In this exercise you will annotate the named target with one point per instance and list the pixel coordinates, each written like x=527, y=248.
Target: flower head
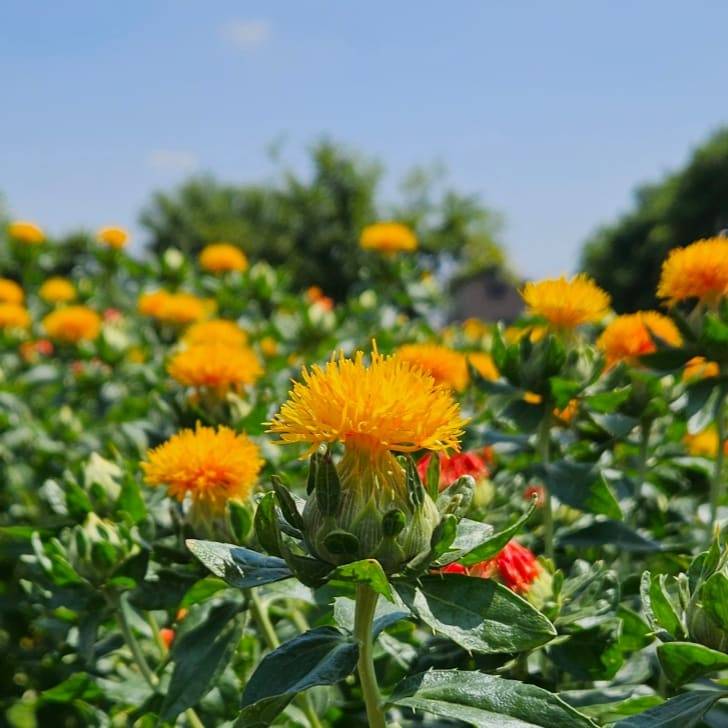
x=700, y=368
x=515, y=565
x=151, y=303
x=73, y=324
x=388, y=405
x=697, y=271
x=484, y=365
x=57, y=290
x=446, y=366
x=215, y=331
x=211, y=466
x=175, y=308
x=114, y=237
x=10, y=291
x=268, y=346
x=222, y=257
x=388, y=237
x=630, y=336
x=317, y=297
x=215, y=366
x=566, y=303
x=14, y=316
x=704, y=443
x=26, y=232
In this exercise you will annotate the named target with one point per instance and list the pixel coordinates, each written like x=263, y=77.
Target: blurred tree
x=625, y=257
x=312, y=224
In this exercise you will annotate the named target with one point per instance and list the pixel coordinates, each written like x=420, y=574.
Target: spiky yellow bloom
x=57, y=290
x=222, y=257
x=211, y=466
x=268, y=346
x=26, y=232
x=703, y=444
x=484, y=365
x=14, y=316
x=10, y=291
x=475, y=330
x=697, y=271
x=215, y=331
x=566, y=303
x=389, y=405
x=446, y=366
x=388, y=237
x=700, y=368
x=215, y=366
x=73, y=324
x=151, y=303
x=629, y=336
x=114, y=237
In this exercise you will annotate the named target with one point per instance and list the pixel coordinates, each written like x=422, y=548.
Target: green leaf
x=203, y=590
x=669, y=359
x=607, y=402
x=385, y=615
x=590, y=654
x=79, y=686
x=581, y=486
x=714, y=596
x=469, y=535
x=321, y=656
x=131, y=500
x=480, y=615
x=658, y=607
x=493, y=544
x=615, y=424
x=698, y=393
x=239, y=567
x=686, y=661
x=366, y=571
x=266, y=524
x=684, y=711
x=486, y=700
x=199, y=656
x=636, y=633
x=613, y=533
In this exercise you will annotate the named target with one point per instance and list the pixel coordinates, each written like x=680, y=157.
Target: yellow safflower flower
x=566, y=303
x=629, y=336
x=484, y=365
x=223, y=257
x=215, y=331
x=703, y=444
x=175, y=308
x=388, y=237
x=72, y=324
x=216, y=367
x=699, y=271
x=14, y=316
x=446, y=366
x=211, y=466
x=57, y=290
x=10, y=291
x=114, y=237
x=268, y=346
x=700, y=368
x=26, y=232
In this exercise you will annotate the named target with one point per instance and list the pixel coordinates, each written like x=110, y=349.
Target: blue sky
x=551, y=112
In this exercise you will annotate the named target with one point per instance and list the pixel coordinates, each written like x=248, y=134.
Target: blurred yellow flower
x=10, y=291
x=72, y=324
x=567, y=414
x=446, y=366
x=175, y=308
x=475, y=330
x=703, y=444
x=268, y=346
x=389, y=405
x=388, y=237
x=151, y=303
x=26, y=232
x=566, y=303
x=700, y=368
x=215, y=331
x=699, y=270
x=222, y=257
x=114, y=237
x=484, y=365
x=629, y=336
x=57, y=290
x=215, y=366
x=14, y=316
x=211, y=466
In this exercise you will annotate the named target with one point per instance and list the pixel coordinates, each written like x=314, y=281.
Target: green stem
x=641, y=468
x=544, y=450
x=366, y=603
x=157, y=635
x=260, y=614
x=136, y=651
x=716, y=481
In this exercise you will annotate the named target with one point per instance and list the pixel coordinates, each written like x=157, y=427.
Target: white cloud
x=172, y=160
x=246, y=35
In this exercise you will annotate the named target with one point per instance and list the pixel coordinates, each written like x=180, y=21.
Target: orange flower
x=10, y=291
x=57, y=290
x=26, y=232
x=215, y=331
x=484, y=365
x=73, y=324
x=215, y=366
x=14, y=316
x=446, y=366
x=700, y=368
x=150, y=304
x=175, y=308
x=388, y=237
x=223, y=257
x=114, y=237
x=629, y=336
x=699, y=270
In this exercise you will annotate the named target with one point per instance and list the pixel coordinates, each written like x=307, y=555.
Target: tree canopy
x=691, y=203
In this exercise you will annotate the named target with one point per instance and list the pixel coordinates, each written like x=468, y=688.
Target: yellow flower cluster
x=222, y=258
x=175, y=308
x=14, y=316
x=698, y=271
x=215, y=331
x=444, y=365
x=57, y=290
x=10, y=291
x=72, y=324
x=26, y=232
x=114, y=237
x=630, y=336
x=388, y=237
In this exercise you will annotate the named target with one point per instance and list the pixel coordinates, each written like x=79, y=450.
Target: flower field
x=229, y=502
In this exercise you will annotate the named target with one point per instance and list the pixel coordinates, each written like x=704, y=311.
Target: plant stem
x=641, y=468
x=260, y=614
x=366, y=603
x=543, y=445
x=716, y=481
x=157, y=635
x=136, y=651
